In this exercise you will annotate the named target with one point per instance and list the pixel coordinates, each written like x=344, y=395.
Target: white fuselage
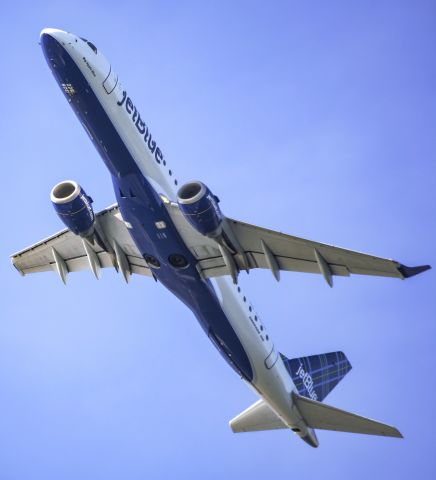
x=271, y=380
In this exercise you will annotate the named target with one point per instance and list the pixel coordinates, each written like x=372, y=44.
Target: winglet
x=408, y=272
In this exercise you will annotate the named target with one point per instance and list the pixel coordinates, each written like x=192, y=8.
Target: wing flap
x=297, y=264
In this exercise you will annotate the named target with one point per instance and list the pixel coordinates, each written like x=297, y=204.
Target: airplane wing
x=256, y=247
x=65, y=252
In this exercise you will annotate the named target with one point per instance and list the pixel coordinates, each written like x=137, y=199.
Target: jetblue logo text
x=214, y=204
x=141, y=127
x=87, y=203
x=307, y=382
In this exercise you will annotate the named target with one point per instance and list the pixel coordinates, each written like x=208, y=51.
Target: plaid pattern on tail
x=316, y=376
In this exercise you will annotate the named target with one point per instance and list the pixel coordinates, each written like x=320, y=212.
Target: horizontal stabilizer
x=256, y=418
x=322, y=416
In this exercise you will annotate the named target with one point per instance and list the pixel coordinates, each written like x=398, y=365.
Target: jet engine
x=74, y=207
x=200, y=208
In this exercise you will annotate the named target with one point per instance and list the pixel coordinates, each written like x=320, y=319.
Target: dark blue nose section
x=59, y=61
x=54, y=52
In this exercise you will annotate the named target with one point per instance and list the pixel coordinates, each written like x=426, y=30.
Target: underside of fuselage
x=143, y=211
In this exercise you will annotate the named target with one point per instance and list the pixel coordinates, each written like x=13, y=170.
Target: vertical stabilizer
x=316, y=376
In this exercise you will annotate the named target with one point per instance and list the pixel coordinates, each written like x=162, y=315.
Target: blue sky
x=316, y=119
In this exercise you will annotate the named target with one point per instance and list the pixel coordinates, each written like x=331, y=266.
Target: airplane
x=179, y=236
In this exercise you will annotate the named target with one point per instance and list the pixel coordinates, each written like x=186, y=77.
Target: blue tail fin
x=316, y=376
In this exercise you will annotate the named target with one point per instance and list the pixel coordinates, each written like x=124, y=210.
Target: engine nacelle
x=200, y=208
x=74, y=207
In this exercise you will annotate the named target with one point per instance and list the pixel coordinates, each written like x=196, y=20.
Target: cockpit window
x=90, y=45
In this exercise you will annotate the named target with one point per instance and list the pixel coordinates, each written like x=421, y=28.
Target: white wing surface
x=252, y=247
x=65, y=252
x=324, y=417
x=257, y=247
x=255, y=418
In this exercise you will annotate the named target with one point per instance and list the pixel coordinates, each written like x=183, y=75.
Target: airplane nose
x=47, y=40
x=52, y=42
x=53, y=32
x=48, y=35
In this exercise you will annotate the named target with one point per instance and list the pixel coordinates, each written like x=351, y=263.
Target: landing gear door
x=111, y=81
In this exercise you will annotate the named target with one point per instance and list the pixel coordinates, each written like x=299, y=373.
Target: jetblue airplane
x=178, y=236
